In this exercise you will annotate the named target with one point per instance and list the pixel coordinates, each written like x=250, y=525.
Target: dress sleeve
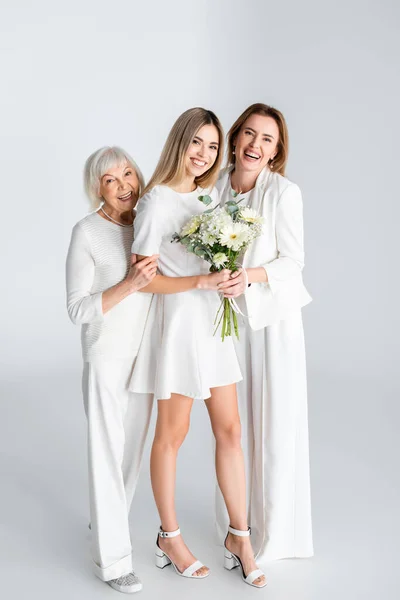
x=83, y=306
x=151, y=224
x=289, y=238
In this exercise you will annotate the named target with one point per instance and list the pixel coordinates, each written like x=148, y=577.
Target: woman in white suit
x=273, y=393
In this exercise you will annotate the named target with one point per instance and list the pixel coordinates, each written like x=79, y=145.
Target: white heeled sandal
x=163, y=560
x=231, y=561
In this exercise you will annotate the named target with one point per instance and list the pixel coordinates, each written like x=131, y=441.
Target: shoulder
x=155, y=198
x=89, y=222
x=281, y=186
x=85, y=225
x=89, y=229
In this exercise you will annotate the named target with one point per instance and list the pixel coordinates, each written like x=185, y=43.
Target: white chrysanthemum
x=208, y=238
x=234, y=235
x=250, y=215
x=220, y=259
x=191, y=226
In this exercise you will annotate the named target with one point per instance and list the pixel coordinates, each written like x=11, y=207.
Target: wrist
x=257, y=275
x=199, y=283
x=127, y=287
x=246, y=281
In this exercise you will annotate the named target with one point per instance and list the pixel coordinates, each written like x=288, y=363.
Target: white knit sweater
x=98, y=258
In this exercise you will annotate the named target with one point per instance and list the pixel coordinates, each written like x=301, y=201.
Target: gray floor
x=355, y=490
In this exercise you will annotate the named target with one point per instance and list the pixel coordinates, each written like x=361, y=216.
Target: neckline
x=242, y=193
x=114, y=225
x=196, y=191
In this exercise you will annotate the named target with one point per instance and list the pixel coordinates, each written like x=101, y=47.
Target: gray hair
x=99, y=163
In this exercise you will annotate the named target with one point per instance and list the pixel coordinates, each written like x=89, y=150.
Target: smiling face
x=256, y=143
x=202, y=152
x=119, y=188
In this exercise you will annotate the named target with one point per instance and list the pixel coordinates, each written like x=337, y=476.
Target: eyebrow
x=113, y=176
x=266, y=134
x=196, y=137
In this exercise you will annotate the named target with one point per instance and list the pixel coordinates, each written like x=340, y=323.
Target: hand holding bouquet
x=219, y=236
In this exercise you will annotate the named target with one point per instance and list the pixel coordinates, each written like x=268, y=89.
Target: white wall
x=85, y=74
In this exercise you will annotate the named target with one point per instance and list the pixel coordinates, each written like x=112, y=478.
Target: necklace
x=113, y=220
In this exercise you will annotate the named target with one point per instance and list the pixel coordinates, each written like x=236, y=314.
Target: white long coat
x=273, y=393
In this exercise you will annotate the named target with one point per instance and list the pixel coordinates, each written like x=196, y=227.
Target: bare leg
x=224, y=415
x=172, y=426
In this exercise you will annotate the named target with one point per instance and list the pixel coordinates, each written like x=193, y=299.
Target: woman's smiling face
x=203, y=151
x=256, y=143
x=119, y=188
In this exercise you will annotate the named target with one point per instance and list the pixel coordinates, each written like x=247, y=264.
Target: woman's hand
x=141, y=273
x=213, y=281
x=236, y=285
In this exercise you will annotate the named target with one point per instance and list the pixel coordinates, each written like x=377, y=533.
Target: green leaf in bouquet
x=205, y=199
x=200, y=252
x=231, y=208
x=235, y=194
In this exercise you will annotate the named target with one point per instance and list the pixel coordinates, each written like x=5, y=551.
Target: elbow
x=76, y=312
x=74, y=315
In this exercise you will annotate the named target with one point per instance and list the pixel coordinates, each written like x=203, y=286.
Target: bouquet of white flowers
x=219, y=236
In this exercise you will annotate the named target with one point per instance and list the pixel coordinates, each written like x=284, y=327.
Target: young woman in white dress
x=102, y=286
x=273, y=393
x=190, y=362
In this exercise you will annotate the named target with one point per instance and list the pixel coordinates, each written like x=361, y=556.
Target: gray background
x=80, y=75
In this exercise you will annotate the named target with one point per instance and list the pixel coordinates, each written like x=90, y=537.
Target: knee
x=168, y=439
x=229, y=435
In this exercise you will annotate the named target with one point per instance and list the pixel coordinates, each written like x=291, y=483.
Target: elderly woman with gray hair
x=102, y=281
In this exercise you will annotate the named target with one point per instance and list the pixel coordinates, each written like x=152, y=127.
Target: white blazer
x=279, y=249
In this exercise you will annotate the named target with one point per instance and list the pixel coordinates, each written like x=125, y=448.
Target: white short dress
x=179, y=353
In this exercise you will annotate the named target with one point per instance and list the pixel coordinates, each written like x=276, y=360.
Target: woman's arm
x=239, y=280
x=289, y=238
x=175, y=285
x=82, y=305
x=139, y=276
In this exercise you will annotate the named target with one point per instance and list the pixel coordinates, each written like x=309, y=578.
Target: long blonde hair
x=171, y=163
x=278, y=164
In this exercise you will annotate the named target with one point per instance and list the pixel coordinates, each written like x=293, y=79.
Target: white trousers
x=273, y=410
x=118, y=422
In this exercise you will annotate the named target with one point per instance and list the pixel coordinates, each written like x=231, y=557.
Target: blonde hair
x=99, y=163
x=171, y=163
x=278, y=163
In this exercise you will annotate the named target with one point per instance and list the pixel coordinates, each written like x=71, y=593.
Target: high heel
x=231, y=561
x=163, y=560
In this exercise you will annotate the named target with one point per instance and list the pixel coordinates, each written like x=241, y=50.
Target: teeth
x=199, y=163
x=125, y=196
x=251, y=155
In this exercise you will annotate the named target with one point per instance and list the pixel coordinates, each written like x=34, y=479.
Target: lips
x=252, y=155
x=198, y=163
x=125, y=197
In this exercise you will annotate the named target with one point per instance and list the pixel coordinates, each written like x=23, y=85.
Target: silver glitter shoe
x=127, y=584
